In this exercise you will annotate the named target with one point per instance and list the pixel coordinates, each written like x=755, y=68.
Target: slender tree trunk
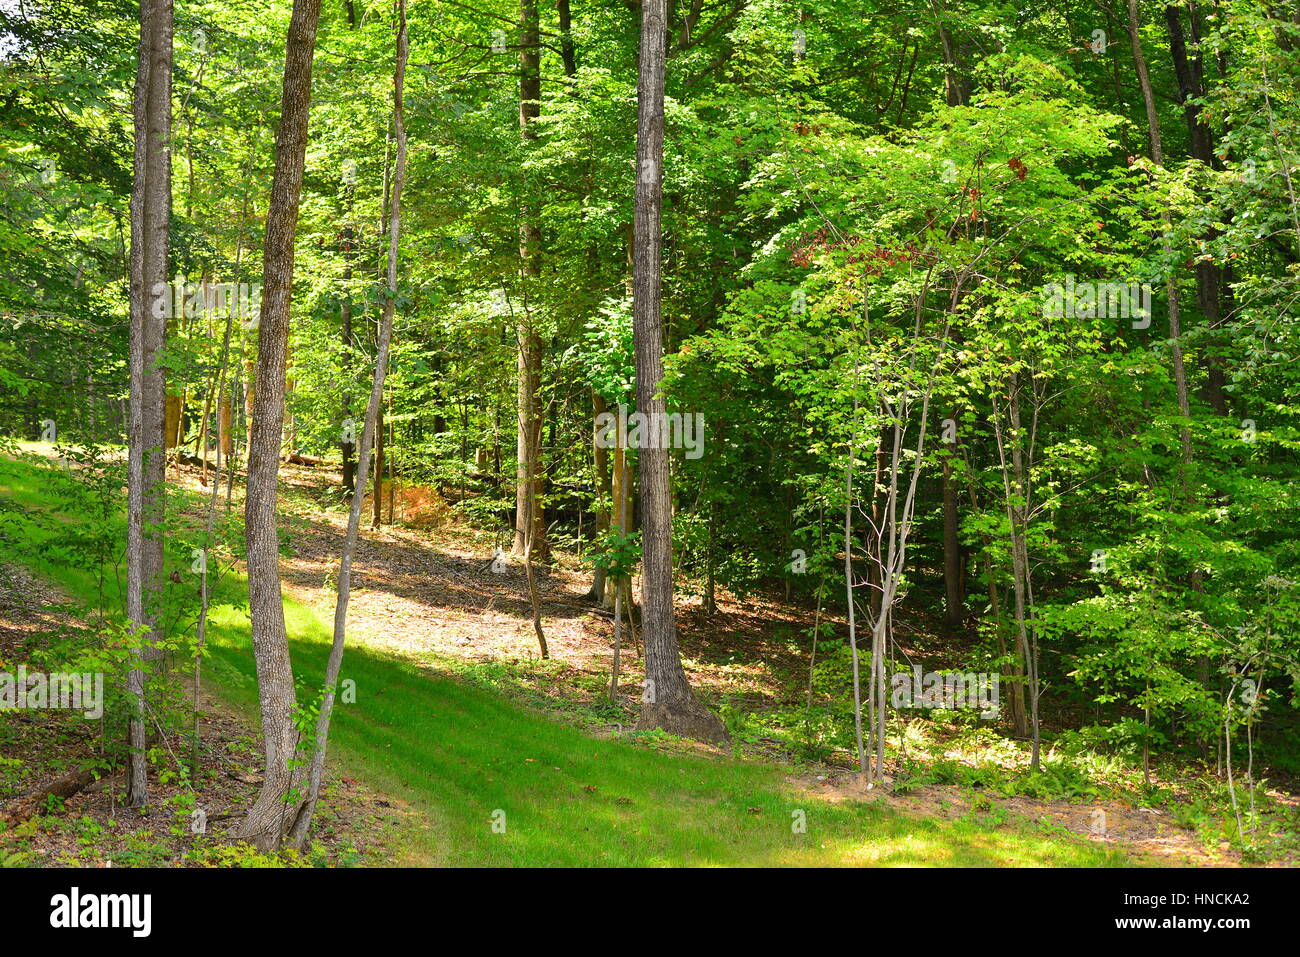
x=849, y=585
x=223, y=458
x=1020, y=563
x=528, y=481
x=621, y=498
x=1015, y=672
x=953, y=560
x=668, y=702
x=302, y=825
x=1157, y=156
x=347, y=444
x=150, y=294
x=223, y=424
x=377, y=493
x=603, y=493
x=267, y=820
x=710, y=578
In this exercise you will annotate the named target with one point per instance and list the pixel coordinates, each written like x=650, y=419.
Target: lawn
x=493, y=783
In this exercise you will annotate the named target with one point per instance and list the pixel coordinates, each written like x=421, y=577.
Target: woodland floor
x=93, y=828
x=424, y=592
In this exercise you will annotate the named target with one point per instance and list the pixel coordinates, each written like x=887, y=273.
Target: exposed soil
x=1145, y=833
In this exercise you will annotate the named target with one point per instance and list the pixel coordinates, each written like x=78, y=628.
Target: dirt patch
x=1147, y=834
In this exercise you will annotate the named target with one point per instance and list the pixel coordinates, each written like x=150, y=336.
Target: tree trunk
x=1019, y=519
x=528, y=491
x=668, y=702
x=603, y=492
x=150, y=295
x=223, y=425
x=267, y=819
x=377, y=492
x=953, y=561
x=302, y=825
x=567, y=53
x=621, y=499
x=347, y=443
x=1210, y=285
x=528, y=480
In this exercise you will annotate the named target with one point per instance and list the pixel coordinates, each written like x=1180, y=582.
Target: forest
x=649, y=433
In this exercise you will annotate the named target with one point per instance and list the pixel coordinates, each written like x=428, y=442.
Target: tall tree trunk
x=668, y=701
x=1210, y=285
x=267, y=820
x=1158, y=157
x=1018, y=516
x=302, y=825
x=150, y=294
x=529, y=476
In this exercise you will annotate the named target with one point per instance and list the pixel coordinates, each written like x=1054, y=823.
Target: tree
x=301, y=828
x=530, y=520
x=268, y=819
x=150, y=299
x=668, y=702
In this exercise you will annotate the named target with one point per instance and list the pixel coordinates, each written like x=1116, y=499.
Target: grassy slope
x=458, y=754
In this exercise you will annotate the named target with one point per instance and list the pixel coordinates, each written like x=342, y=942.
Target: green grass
x=457, y=754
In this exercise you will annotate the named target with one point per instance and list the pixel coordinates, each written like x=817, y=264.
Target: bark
x=669, y=702
x=953, y=560
x=347, y=446
x=302, y=825
x=1017, y=499
x=174, y=420
x=1210, y=285
x=955, y=87
x=621, y=499
x=146, y=458
x=567, y=54
x=1158, y=157
x=65, y=786
x=377, y=494
x=266, y=821
x=223, y=425
x=528, y=474
x=603, y=492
